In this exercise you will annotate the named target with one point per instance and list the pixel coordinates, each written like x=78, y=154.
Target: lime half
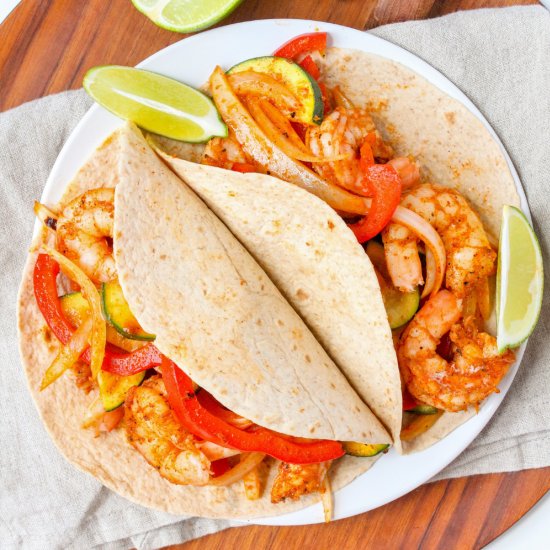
x=185, y=15
x=519, y=280
x=155, y=102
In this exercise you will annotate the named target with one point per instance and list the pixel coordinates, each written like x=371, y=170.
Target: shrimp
x=294, y=480
x=84, y=232
x=153, y=430
x=343, y=132
x=470, y=258
x=224, y=152
x=473, y=372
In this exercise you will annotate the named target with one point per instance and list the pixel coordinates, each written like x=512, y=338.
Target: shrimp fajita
x=240, y=327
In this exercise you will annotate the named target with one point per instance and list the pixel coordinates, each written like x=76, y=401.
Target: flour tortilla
x=451, y=145
x=316, y=262
x=109, y=457
x=452, y=148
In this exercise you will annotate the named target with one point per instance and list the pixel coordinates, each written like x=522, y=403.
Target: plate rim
x=56, y=183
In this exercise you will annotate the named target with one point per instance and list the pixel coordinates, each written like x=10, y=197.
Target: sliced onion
x=327, y=500
x=435, y=266
x=469, y=305
x=213, y=451
x=247, y=463
x=90, y=293
x=115, y=338
x=45, y=215
x=279, y=132
x=69, y=354
x=94, y=414
x=340, y=99
x=253, y=484
x=270, y=158
x=260, y=84
x=285, y=128
x=484, y=299
x=431, y=273
x=283, y=124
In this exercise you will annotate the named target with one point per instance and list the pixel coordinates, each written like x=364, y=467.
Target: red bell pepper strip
x=219, y=467
x=384, y=185
x=366, y=158
x=304, y=43
x=327, y=107
x=310, y=66
x=116, y=361
x=209, y=427
x=243, y=167
x=409, y=402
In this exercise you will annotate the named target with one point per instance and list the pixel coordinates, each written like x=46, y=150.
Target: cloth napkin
x=499, y=58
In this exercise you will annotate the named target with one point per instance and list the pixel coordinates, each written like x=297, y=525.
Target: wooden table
x=47, y=45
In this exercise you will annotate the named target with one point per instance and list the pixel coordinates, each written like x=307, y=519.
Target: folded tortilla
x=216, y=313
x=452, y=148
x=316, y=262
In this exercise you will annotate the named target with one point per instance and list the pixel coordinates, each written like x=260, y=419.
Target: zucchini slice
x=400, y=306
x=423, y=409
x=117, y=312
x=75, y=307
x=298, y=81
x=421, y=424
x=364, y=449
x=113, y=387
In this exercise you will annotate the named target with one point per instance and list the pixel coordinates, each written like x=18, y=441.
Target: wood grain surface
x=46, y=46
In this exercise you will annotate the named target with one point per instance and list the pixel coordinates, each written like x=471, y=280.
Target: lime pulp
x=186, y=15
x=520, y=280
x=155, y=103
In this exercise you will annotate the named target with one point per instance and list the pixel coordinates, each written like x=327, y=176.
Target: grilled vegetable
x=117, y=312
x=400, y=306
x=423, y=409
x=113, y=388
x=268, y=158
x=419, y=425
x=364, y=449
x=302, y=85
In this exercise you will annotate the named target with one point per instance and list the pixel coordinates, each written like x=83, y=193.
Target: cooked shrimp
x=408, y=171
x=84, y=233
x=342, y=133
x=224, y=152
x=153, y=430
x=294, y=480
x=469, y=377
x=470, y=258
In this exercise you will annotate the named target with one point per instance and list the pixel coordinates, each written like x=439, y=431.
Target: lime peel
x=186, y=15
x=520, y=280
x=155, y=103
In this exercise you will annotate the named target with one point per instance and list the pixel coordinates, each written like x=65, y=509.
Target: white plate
x=192, y=61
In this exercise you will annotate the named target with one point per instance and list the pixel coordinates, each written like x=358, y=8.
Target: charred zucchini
x=117, y=312
x=364, y=449
x=113, y=388
x=298, y=81
x=400, y=306
x=423, y=409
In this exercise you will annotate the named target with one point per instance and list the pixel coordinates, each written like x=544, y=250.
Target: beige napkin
x=499, y=58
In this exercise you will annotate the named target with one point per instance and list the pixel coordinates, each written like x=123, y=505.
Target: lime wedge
x=185, y=15
x=155, y=102
x=519, y=280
